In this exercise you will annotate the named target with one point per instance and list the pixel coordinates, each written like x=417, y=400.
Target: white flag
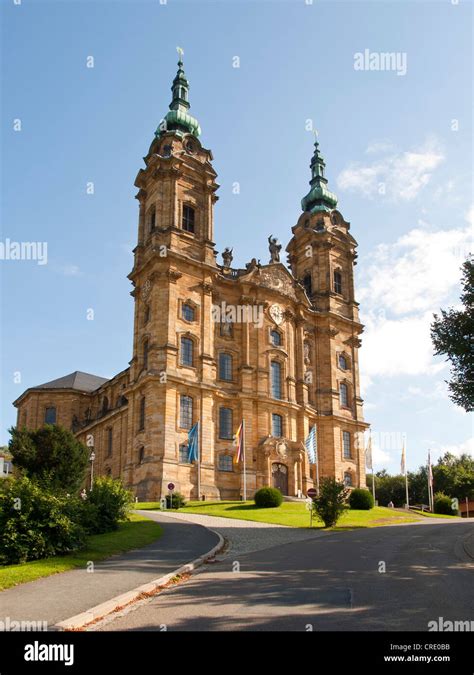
x=368, y=454
x=311, y=445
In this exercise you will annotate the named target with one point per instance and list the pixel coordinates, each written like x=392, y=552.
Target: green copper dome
x=319, y=198
x=178, y=118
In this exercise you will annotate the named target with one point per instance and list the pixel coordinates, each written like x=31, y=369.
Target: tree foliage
x=331, y=502
x=452, y=334
x=51, y=455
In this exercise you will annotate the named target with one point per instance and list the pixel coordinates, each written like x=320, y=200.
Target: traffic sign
x=171, y=487
x=312, y=492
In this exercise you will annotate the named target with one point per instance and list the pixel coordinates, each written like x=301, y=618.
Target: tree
x=452, y=334
x=50, y=455
x=331, y=502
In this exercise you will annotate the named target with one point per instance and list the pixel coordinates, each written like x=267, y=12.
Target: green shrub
x=361, y=500
x=268, y=497
x=50, y=455
x=442, y=504
x=34, y=523
x=330, y=504
x=174, y=500
x=105, y=506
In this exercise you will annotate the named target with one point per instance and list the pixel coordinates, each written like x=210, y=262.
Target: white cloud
x=467, y=447
x=70, y=270
x=400, y=176
x=416, y=273
x=398, y=347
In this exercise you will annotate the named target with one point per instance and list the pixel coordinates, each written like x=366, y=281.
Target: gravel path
x=246, y=536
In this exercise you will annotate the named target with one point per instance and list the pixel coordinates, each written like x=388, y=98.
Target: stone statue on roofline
x=227, y=256
x=274, y=247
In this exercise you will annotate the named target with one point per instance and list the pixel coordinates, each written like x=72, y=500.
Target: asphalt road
x=61, y=596
x=385, y=578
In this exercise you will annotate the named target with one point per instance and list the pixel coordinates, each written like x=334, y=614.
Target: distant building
x=6, y=466
x=274, y=345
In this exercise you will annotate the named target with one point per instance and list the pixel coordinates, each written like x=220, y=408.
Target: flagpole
x=244, y=460
x=429, y=481
x=199, y=462
x=372, y=464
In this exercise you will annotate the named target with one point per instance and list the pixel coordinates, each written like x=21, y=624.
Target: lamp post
x=91, y=460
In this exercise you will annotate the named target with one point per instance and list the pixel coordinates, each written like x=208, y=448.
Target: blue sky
x=398, y=151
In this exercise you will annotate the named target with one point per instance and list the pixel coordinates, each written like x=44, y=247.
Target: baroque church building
x=272, y=345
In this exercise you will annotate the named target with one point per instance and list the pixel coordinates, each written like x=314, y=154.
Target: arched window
x=275, y=379
x=308, y=284
x=346, y=445
x=225, y=367
x=141, y=454
x=348, y=479
x=275, y=338
x=188, y=312
x=183, y=454
x=141, y=415
x=225, y=463
x=188, y=221
x=337, y=282
x=342, y=362
x=187, y=351
x=152, y=219
x=186, y=412
x=50, y=416
x=277, y=425
x=145, y=354
x=225, y=423
x=343, y=394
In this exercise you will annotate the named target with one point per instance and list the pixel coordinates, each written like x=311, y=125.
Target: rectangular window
x=225, y=367
x=141, y=415
x=343, y=395
x=187, y=356
x=277, y=425
x=188, y=219
x=186, y=412
x=225, y=463
x=50, y=416
x=225, y=423
x=338, y=283
x=276, y=379
x=346, y=444
x=183, y=454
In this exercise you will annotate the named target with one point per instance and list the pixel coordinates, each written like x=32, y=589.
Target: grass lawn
x=432, y=515
x=138, y=532
x=293, y=514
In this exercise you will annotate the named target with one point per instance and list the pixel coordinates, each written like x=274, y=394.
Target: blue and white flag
x=193, y=443
x=312, y=445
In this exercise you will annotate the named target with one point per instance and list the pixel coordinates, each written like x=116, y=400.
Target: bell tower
x=322, y=255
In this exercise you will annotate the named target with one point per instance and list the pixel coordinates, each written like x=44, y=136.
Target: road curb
x=99, y=611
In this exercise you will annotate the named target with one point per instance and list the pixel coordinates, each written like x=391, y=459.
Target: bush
x=361, y=499
x=330, y=504
x=105, y=506
x=174, y=500
x=442, y=504
x=267, y=498
x=34, y=523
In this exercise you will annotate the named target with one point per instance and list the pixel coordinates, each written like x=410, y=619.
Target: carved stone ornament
x=145, y=292
x=276, y=314
x=282, y=450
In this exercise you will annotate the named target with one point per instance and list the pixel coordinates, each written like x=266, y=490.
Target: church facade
x=272, y=345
